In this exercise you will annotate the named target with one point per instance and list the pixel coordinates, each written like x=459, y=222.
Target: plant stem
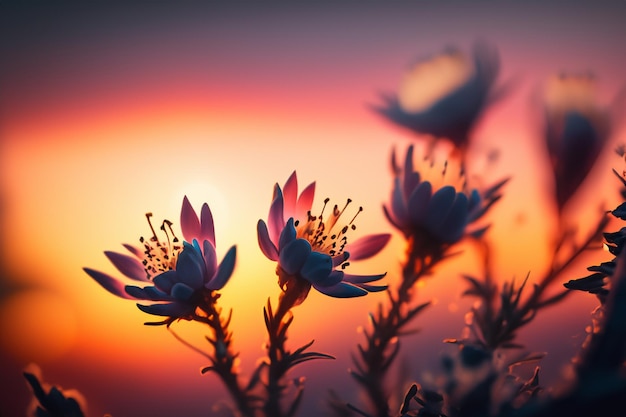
x=387, y=328
x=224, y=357
x=277, y=328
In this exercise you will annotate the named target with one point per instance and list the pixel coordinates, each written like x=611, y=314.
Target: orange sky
x=115, y=129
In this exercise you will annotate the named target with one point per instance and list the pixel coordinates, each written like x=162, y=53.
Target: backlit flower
x=434, y=215
x=577, y=128
x=444, y=95
x=53, y=401
x=314, y=250
x=183, y=275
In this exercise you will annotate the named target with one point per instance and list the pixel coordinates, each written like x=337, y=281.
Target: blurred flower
x=55, y=402
x=435, y=216
x=444, y=95
x=310, y=249
x=577, y=129
x=599, y=282
x=183, y=275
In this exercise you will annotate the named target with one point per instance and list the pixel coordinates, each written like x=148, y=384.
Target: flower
x=184, y=276
x=432, y=216
x=444, y=95
x=55, y=402
x=576, y=131
x=311, y=250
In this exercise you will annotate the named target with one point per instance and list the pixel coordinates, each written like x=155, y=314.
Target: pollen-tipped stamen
x=160, y=256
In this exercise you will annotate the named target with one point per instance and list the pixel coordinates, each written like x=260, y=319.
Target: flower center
x=322, y=234
x=160, y=256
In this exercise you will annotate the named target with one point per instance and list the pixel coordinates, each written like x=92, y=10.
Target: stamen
x=357, y=213
x=160, y=256
x=154, y=236
x=317, y=230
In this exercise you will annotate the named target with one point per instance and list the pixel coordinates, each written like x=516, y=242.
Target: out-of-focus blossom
x=444, y=95
x=576, y=130
x=434, y=216
x=314, y=250
x=53, y=402
x=599, y=282
x=184, y=275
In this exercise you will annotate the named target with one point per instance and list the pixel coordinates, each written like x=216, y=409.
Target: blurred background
x=109, y=112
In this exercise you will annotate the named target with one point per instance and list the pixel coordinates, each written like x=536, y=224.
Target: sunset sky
x=107, y=113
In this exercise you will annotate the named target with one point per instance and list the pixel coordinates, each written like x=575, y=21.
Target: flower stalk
x=382, y=345
x=223, y=361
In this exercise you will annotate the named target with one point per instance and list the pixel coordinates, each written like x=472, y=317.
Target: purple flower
x=184, y=276
x=431, y=215
x=314, y=250
x=577, y=129
x=444, y=95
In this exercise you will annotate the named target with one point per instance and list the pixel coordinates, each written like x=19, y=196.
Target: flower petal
x=372, y=288
x=167, y=309
x=411, y=178
x=294, y=255
x=147, y=293
x=317, y=267
x=210, y=258
x=190, y=267
x=393, y=220
x=419, y=202
x=341, y=290
x=439, y=207
x=132, y=249
x=398, y=203
x=360, y=279
x=189, y=222
x=290, y=194
x=165, y=281
x=367, y=246
x=207, y=229
x=454, y=226
x=333, y=278
x=182, y=292
x=127, y=265
x=224, y=271
x=109, y=283
x=265, y=243
x=305, y=202
x=276, y=220
x=287, y=235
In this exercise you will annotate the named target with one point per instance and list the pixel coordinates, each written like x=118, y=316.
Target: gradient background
x=110, y=112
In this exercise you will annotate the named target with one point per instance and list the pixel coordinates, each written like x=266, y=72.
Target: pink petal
x=109, y=283
x=305, y=202
x=210, y=258
x=265, y=243
x=367, y=246
x=276, y=220
x=127, y=265
x=189, y=222
x=290, y=194
x=207, y=229
x=135, y=251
